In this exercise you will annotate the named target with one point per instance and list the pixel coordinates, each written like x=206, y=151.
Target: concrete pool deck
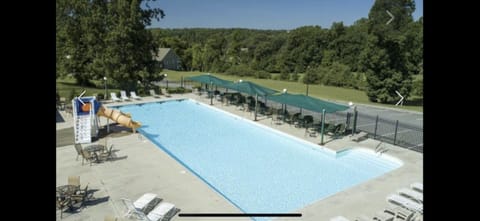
x=142, y=167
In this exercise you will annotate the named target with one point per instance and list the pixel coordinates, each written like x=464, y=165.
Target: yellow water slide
x=119, y=117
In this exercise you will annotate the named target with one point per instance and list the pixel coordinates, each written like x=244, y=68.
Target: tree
x=100, y=38
x=386, y=57
x=311, y=76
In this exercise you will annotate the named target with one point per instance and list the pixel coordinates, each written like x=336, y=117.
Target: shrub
x=262, y=74
x=178, y=90
x=240, y=70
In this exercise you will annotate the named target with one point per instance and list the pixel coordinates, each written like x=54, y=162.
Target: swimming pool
x=258, y=169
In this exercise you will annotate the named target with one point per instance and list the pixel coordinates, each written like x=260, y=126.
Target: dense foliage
x=98, y=38
x=106, y=38
x=368, y=55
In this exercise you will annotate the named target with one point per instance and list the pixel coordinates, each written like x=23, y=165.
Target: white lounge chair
x=399, y=212
x=163, y=211
x=123, y=95
x=114, y=97
x=362, y=218
x=412, y=194
x=383, y=216
x=165, y=92
x=339, y=218
x=137, y=207
x=359, y=137
x=152, y=92
x=405, y=202
x=417, y=186
x=134, y=95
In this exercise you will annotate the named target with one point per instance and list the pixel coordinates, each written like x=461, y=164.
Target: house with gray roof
x=168, y=59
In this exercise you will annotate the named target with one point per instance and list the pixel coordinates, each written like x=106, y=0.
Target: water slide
x=119, y=117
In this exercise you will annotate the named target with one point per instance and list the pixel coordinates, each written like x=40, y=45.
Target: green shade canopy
x=209, y=79
x=306, y=102
x=250, y=88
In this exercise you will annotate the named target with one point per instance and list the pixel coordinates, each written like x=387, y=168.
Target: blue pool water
x=258, y=169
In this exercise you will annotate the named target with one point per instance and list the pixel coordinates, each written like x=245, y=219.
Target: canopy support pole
x=256, y=102
x=323, y=126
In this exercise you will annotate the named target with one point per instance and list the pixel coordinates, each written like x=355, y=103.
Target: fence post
x=181, y=81
x=347, y=123
x=376, y=125
x=354, y=120
x=322, y=130
x=395, y=135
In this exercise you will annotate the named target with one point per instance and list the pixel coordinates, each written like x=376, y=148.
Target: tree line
x=369, y=55
x=108, y=38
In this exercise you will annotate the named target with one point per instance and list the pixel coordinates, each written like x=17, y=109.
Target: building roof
x=162, y=52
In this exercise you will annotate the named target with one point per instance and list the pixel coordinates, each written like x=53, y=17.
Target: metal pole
x=106, y=95
x=256, y=102
x=355, y=116
x=210, y=93
x=376, y=125
x=323, y=126
x=395, y=135
x=347, y=123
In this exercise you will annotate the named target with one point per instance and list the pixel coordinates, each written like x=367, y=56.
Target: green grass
x=319, y=91
x=65, y=86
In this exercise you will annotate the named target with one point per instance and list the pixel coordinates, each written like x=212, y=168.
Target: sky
x=263, y=14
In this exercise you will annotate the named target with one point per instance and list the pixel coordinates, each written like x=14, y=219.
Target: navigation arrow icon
x=392, y=17
x=401, y=99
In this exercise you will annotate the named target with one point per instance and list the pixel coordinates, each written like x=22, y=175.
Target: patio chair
x=307, y=121
x=412, y=194
x=405, y=202
x=78, y=148
x=80, y=196
x=340, y=130
x=108, y=154
x=114, y=97
x=329, y=128
x=153, y=94
x=165, y=92
x=134, y=95
x=74, y=181
x=417, y=186
x=163, y=211
x=89, y=157
x=123, y=96
x=62, y=203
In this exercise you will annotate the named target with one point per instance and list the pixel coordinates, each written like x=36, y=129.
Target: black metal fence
x=393, y=132
x=388, y=131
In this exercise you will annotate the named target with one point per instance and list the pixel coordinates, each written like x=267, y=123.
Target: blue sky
x=263, y=14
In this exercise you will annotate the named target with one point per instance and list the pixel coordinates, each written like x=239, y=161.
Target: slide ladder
x=86, y=123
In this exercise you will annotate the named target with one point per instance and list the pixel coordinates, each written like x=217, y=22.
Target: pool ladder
x=380, y=149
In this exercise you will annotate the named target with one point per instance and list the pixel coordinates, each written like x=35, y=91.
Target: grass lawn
x=324, y=92
x=65, y=86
